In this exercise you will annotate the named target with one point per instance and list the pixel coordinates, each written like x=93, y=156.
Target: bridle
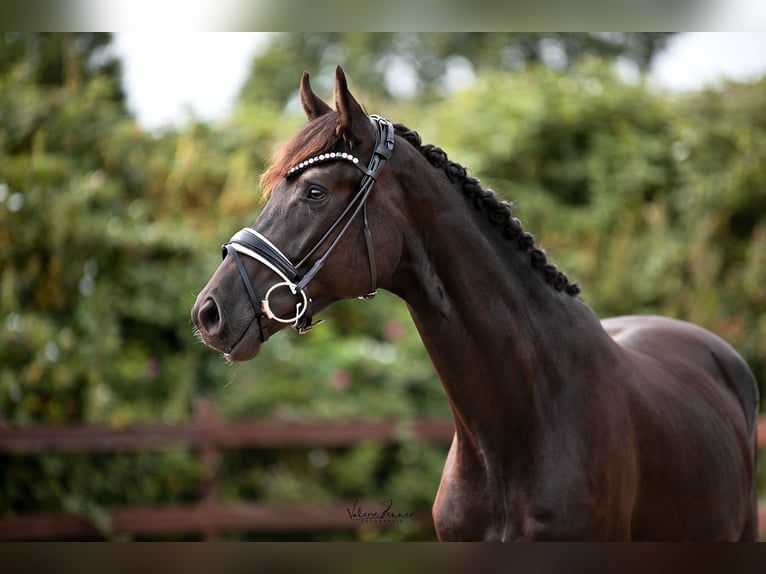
x=249, y=242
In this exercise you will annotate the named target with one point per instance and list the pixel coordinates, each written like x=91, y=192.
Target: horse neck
x=503, y=341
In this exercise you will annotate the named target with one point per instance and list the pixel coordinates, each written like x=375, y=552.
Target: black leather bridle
x=253, y=244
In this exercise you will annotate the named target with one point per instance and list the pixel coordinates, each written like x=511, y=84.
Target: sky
x=169, y=78
x=166, y=76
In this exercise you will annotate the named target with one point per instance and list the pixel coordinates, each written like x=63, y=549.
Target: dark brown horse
x=567, y=427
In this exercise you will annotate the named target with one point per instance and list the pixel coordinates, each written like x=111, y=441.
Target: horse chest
x=483, y=502
x=474, y=503
x=469, y=508
x=465, y=510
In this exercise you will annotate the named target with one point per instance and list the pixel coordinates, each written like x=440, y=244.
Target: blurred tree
x=424, y=64
x=78, y=243
x=95, y=272
x=62, y=64
x=62, y=59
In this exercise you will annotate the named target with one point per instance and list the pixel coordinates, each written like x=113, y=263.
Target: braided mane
x=321, y=136
x=499, y=212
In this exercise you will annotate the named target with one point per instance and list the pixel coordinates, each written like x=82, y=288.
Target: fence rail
x=208, y=434
x=208, y=428
x=208, y=519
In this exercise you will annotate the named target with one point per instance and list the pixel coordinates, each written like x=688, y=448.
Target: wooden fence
x=208, y=435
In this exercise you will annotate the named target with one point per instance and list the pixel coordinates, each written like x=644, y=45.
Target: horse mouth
x=248, y=346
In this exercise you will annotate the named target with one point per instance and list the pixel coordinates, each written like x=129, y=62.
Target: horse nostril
x=209, y=316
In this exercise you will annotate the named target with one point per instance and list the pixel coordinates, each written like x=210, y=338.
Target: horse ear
x=312, y=105
x=352, y=116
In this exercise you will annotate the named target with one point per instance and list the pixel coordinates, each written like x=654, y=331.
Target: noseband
x=253, y=244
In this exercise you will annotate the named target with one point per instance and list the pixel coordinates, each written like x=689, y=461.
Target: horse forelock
x=499, y=212
x=319, y=136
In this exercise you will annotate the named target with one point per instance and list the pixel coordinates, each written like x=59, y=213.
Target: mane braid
x=499, y=212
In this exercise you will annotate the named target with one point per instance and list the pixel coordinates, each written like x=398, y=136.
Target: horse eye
x=316, y=193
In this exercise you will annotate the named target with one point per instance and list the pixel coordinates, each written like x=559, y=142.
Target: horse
x=567, y=427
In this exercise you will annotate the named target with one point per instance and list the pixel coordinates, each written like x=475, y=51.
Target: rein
x=253, y=244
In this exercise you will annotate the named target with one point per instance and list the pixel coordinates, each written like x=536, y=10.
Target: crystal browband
x=324, y=157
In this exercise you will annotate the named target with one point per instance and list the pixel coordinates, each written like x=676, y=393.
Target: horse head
x=322, y=236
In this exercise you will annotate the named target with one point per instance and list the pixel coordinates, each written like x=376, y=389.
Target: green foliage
x=652, y=202
x=365, y=362
x=90, y=483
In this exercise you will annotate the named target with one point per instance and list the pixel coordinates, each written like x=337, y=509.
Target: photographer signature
x=385, y=514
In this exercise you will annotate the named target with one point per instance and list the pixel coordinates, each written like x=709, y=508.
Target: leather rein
x=253, y=244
